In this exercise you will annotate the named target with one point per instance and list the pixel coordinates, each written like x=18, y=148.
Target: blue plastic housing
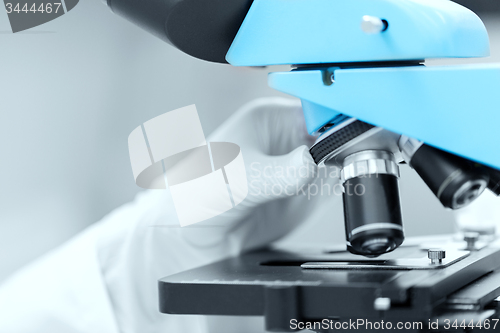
x=278, y=32
x=455, y=108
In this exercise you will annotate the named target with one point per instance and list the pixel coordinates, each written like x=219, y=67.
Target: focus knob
x=471, y=238
x=436, y=255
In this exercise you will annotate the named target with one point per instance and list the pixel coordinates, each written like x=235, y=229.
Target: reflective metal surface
x=419, y=263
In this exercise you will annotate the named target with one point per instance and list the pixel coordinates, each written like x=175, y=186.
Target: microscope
x=358, y=67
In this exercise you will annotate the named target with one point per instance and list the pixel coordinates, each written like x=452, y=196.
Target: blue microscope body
x=454, y=108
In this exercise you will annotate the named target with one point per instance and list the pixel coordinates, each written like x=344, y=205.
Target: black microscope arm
x=203, y=29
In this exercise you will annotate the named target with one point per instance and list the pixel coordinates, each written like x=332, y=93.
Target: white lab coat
x=105, y=279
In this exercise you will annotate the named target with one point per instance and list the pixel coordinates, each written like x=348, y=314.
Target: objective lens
x=455, y=181
x=372, y=208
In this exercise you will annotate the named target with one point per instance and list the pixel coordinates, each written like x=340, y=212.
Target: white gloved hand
x=106, y=279
x=274, y=142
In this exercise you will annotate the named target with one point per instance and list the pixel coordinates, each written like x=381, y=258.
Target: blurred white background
x=71, y=92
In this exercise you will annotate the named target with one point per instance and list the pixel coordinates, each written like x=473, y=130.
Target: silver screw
x=436, y=256
x=382, y=304
x=471, y=238
x=372, y=24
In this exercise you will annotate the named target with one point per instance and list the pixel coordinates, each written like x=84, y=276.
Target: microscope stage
x=313, y=285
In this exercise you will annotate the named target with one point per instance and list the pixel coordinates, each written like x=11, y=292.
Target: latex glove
x=105, y=280
x=274, y=142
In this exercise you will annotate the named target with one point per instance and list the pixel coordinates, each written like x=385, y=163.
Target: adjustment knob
x=436, y=255
x=471, y=238
x=373, y=25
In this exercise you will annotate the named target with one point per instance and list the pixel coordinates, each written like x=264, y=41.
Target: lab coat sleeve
x=64, y=291
x=105, y=279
